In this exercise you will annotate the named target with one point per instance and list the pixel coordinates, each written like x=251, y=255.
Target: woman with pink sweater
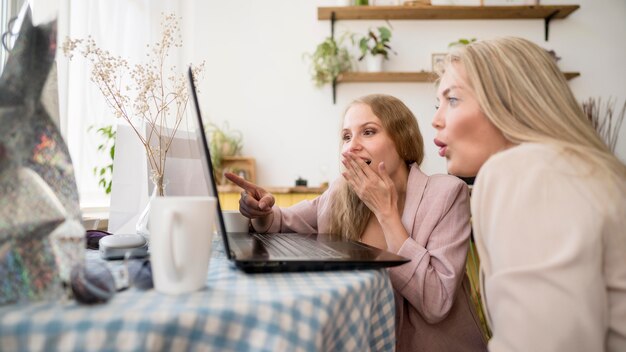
x=384, y=200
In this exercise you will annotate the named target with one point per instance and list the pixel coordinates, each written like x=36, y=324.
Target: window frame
x=8, y=10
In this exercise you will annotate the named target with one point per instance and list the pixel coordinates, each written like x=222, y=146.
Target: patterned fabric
x=330, y=311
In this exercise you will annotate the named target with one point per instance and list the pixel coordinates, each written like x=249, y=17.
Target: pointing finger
x=241, y=182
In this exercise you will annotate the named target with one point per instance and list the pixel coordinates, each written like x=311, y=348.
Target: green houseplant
x=223, y=142
x=329, y=59
x=462, y=41
x=107, y=146
x=377, y=45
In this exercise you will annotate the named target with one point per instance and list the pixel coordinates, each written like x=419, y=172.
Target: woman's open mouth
x=442, y=147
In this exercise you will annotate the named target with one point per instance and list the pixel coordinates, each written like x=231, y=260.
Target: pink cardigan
x=434, y=311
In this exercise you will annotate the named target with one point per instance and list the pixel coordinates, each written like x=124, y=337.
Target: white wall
x=257, y=80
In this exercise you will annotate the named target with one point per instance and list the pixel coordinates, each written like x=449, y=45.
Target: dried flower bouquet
x=154, y=94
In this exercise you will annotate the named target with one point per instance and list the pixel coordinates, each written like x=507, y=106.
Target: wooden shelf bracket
x=332, y=24
x=332, y=35
x=546, y=24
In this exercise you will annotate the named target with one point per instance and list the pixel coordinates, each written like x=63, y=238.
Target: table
x=325, y=311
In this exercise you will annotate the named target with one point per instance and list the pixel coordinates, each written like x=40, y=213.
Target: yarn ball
x=92, y=282
x=140, y=274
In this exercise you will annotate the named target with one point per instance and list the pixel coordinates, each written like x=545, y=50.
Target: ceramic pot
x=375, y=63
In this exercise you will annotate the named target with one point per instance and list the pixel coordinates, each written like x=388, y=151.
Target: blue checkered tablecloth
x=326, y=311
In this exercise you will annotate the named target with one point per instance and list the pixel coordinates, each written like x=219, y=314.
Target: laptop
x=284, y=252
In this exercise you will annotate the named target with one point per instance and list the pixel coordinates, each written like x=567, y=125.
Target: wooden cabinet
x=239, y=165
x=545, y=12
x=285, y=196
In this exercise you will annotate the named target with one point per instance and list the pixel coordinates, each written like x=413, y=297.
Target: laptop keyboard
x=285, y=245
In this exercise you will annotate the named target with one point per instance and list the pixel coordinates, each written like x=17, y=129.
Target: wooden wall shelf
x=570, y=75
x=545, y=12
x=422, y=76
x=445, y=12
x=427, y=12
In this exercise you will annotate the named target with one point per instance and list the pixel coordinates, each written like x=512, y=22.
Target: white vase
x=375, y=63
x=158, y=190
x=344, y=2
x=385, y=2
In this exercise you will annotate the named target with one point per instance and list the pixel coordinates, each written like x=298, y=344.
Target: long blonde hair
x=349, y=215
x=524, y=94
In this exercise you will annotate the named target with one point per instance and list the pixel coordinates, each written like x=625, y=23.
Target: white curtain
x=125, y=28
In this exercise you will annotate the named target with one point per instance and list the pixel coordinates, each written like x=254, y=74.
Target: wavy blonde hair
x=349, y=215
x=523, y=93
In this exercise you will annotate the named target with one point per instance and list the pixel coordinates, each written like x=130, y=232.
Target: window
x=8, y=11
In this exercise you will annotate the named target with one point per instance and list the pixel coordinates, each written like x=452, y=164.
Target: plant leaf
x=385, y=33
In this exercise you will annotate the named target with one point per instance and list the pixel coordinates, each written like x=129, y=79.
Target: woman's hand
x=255, y=202
x=380, y=195
x=376, y=190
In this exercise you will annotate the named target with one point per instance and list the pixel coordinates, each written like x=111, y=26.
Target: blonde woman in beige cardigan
x=549, y=201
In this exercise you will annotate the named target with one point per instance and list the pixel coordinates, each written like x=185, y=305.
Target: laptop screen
x=205, y=159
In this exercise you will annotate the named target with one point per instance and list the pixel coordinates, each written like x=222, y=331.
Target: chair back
x=472, y=267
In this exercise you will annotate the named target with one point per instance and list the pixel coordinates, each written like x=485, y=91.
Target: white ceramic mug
x=235, y=222
x=181, y=230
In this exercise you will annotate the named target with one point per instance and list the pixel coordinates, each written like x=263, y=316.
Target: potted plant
x=606, y=120
x=461, y=42
x=329, y=59
x=377, y=45
x=223, y=142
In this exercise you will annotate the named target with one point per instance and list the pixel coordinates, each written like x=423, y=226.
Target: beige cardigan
x=434, y=311
x=552, y=243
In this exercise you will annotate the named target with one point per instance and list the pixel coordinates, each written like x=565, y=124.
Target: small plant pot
x=375, y=63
